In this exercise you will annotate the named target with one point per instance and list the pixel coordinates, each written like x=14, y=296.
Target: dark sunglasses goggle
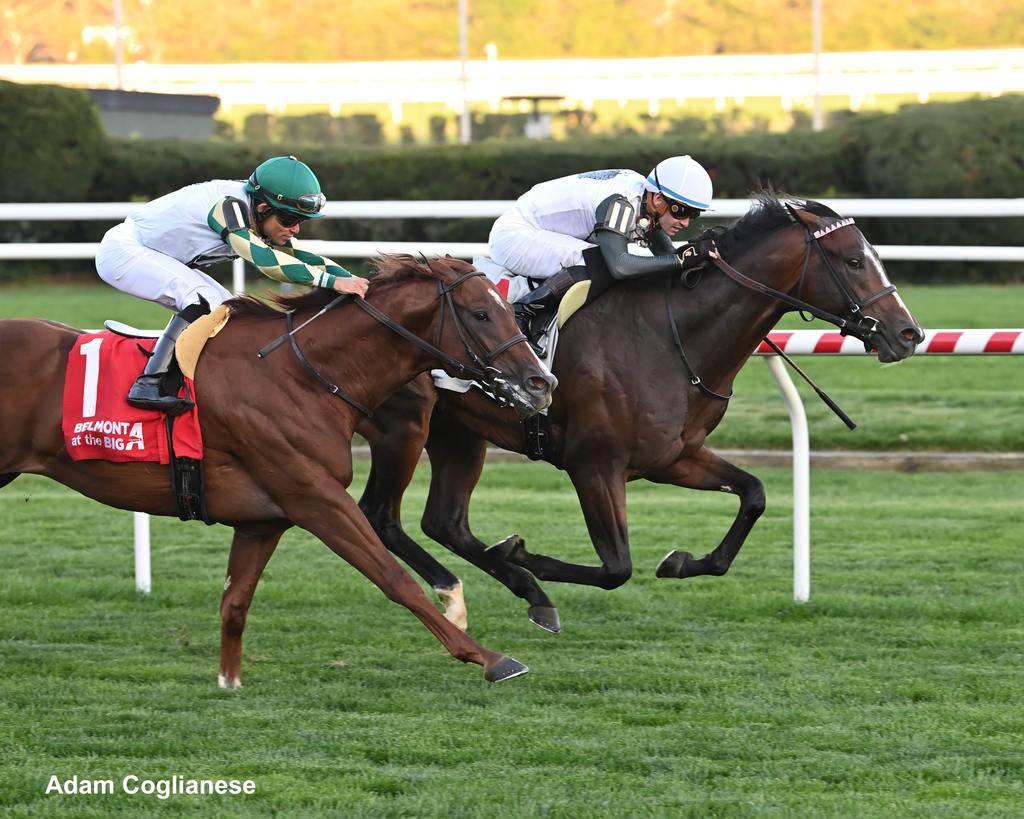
x=288, y=219
x=682, y=211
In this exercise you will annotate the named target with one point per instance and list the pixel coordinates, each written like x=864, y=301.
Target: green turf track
x=935, y=403
x=897, y=691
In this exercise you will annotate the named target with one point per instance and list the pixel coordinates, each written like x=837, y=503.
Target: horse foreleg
x=456, y=462
x=601, y=489
x=250, y=550
x=335, y=519
x=706, y=470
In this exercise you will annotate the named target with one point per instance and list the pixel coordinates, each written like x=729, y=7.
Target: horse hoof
x=672, y=564
x=224, y=682
x=505, y=669
x=509, y=549
x=546, y=617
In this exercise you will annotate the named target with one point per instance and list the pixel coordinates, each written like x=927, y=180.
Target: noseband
x=483, y=371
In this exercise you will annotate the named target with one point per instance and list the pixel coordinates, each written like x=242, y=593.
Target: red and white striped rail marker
x=936, y=342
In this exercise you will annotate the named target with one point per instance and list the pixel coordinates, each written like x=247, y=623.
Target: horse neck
x=721, y=322
x=367, y=359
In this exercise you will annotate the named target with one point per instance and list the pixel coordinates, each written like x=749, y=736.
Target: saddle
x=186, y=472
x=190, y=343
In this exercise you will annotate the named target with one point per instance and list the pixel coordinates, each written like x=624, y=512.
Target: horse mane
x=389, y=270
x=767, y=213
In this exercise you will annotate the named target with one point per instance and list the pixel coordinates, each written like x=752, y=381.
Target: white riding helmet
x=683, y=179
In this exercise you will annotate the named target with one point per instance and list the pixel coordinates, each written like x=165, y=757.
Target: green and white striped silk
x=285, y=263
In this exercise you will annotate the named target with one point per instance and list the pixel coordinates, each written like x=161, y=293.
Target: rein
x=483, y=370
x=861, y=326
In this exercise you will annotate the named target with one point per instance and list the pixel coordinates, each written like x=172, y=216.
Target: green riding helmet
x=287, y=184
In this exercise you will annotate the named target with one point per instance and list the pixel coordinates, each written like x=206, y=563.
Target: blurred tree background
x=196, y=31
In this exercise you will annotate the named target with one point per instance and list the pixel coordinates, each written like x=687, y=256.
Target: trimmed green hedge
x=51, y=140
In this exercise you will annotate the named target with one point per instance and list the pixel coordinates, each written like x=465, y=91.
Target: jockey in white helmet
x=544, y=236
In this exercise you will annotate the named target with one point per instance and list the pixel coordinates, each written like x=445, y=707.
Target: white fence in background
x=789, y=78
x=801, y=342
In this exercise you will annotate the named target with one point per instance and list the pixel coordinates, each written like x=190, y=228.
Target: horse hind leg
x=708, y=471
x=251, y=549
x=395, y=455
x=456, y=461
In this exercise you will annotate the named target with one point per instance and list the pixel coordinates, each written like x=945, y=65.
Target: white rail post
x=238, y=275
x=143, y=580
x=801, y=480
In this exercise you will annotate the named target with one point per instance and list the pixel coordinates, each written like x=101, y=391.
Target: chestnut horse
x=277, y=443
x=645, y=372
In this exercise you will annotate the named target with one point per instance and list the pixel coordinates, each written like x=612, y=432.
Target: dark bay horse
x=636, y=399
x=277, y=443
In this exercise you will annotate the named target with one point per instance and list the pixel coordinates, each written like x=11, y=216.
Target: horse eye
x=481, y=315
x=855, y=262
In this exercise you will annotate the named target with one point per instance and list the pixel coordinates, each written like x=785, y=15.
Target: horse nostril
x=913, y=335
x=538, y=383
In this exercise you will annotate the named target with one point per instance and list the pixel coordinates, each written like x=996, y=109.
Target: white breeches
x=520, y=247
x=136, y=269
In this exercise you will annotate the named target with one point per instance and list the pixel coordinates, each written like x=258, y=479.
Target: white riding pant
x=527, y=250
x=131, y=267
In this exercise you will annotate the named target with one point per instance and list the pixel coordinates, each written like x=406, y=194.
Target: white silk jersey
x=176, y=224
x=568, y=205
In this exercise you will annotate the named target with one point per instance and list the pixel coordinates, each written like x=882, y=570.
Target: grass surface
x=897, y=691
x=927, y=403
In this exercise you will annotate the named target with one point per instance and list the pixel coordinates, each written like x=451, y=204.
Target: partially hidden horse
x=645, y=372
x=277, y=444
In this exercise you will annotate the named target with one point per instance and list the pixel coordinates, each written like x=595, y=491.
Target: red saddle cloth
x=98, y=424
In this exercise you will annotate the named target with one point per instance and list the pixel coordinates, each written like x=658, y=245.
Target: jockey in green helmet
x=161, y=250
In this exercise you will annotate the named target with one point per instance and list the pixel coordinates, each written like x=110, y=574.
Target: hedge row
x=51, y=146
x=966, y=149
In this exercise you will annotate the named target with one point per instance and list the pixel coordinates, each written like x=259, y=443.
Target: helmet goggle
x=680, y=210
x=307, y=203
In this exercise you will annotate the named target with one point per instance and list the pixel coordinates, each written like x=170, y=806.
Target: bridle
x=481, y=369
x=858, y=324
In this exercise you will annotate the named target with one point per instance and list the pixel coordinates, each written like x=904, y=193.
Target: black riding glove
x=696, y=253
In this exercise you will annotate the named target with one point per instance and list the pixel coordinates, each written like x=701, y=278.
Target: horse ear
x=799, y=216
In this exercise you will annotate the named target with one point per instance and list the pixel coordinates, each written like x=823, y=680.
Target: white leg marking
x=227, y=582
x=454, y=606
x=224, y=682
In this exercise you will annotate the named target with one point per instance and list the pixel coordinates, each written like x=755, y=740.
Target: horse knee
x=753, y=500
x=615, y=576
x=232, y=616
x=439, y=529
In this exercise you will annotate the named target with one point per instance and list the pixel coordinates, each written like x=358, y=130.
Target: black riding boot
x=147, y=392
x=536, y=309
